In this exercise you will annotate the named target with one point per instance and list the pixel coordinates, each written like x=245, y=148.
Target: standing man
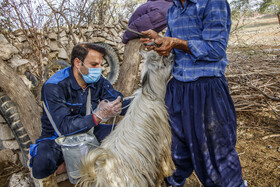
x=202, y=114
x=65, y=96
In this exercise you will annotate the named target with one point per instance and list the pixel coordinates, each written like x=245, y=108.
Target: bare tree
x=270, y=6
x=21, y=16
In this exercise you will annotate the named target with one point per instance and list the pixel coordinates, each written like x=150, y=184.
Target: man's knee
x=45, y=162
x=43, y=165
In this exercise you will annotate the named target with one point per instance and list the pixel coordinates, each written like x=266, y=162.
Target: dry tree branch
x=271, y=136
x=274, y=111
x=16, y=171
x=65, y=19
x=81, y=17
x=266, y=95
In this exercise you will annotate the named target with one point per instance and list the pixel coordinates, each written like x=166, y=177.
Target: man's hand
x=151, y=33
x=153, y=37
x=162, y=46
x=107, y=109
x=167, y=44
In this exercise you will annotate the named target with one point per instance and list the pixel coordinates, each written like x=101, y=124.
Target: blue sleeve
x=167, y=33
x=67, y=123
x=215, y=34
x=109, y=93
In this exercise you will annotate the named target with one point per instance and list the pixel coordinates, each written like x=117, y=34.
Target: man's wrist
x=96, y=118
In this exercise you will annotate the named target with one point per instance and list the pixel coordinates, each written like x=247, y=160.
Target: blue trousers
x=203, y=124
x=49, y=155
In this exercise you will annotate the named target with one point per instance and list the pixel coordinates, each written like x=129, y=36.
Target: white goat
x=137, y=153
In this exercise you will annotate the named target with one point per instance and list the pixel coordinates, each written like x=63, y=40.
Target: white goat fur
x=137, y=153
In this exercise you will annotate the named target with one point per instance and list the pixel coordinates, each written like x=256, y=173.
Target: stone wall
x=58, y=43
x=9, y=148
x=10, y=55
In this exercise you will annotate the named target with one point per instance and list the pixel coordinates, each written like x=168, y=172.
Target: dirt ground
x=255, y=48
x=258, y=149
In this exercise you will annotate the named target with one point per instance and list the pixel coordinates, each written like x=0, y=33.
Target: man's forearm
x=181, y=44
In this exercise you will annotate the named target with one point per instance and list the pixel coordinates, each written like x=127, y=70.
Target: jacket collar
x=178, y=2
x=74, y=83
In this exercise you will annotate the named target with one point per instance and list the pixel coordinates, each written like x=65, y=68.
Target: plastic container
x=74, y=148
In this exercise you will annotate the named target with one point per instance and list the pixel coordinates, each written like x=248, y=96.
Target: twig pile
x=254, y=81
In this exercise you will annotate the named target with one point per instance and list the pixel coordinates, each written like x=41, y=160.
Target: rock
x=7, y=51
x=52, y=36
x=19, y=180
x=107, y=36
x=2, y=120
x=21, y=38
x=20, y=157
x=63, y=40
x=1, y=145
x=11, y=144
x=83, y=31
x=97, y=39
x=54, y=46
x=45, y=61
x=114, y=32
x=119, y=27
x=119, y=47
x=16, y=61
x=8, y=155
x=76, y=38
x=25, y=48
x=63, y=34
x=53, y=55
x=118, y=40
x=63, y=54
x=3, y=40
x=18, y=32
x=27, y=82
x=90, y=29
x=111, y=43
x=5, y=132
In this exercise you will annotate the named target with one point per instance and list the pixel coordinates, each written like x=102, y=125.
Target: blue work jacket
x=66, y=102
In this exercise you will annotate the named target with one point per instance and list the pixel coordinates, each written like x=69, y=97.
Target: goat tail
x=93, y=167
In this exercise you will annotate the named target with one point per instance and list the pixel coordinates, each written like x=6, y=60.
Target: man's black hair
x=81, y=50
